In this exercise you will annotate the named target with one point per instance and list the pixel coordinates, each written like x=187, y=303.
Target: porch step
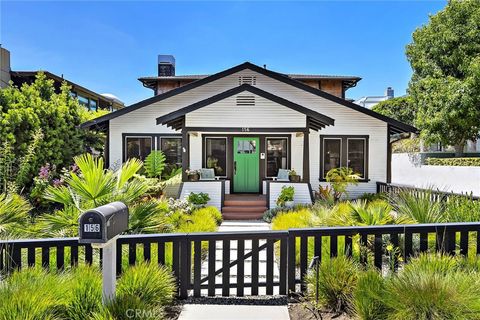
x=251, y=209
x=245, y=203
x=242, y=215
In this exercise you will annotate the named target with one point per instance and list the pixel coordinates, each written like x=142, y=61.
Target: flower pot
x=193, y=177
x=294, y=178
x=289, y=204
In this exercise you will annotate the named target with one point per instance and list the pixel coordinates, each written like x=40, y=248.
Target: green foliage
x=400, y=108
x=154, y=164
x=340, y=179
x=445, y=86
x=13, y=213
x=361, y=213
x=35, y=117
x=466, y=162
x=302, y=218
x=336, y=283
x=148, y=217
x=212, y=212
x=462, y=209
x=418, y=206
x=84, y=294
x=367, y=296
x=432, y=288
x=198, y=199
x=286, y=195
x=369, y=197
x=152, y=284
x=411, y=145
x=201, y=220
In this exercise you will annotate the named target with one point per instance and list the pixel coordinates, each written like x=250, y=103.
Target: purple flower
x=74, y=167
x=44, y=172
x=57, y=182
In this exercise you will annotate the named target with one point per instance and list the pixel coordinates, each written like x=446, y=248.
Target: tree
x=445, y=86
x=36, y=109
x=401, y=109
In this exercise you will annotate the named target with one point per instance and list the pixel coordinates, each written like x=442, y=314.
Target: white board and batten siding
x=265, y=113
x=212, y=188
x=301, y=196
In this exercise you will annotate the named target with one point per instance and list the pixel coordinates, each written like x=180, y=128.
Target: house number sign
x=245, y=129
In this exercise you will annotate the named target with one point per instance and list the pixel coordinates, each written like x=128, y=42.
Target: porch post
x=185, y=153
x=306, y=155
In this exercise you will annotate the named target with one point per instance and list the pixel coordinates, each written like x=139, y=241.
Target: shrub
x=302, y=218
x=418, y=206
x=198, y=198
x=340, y=179
x=84, y=293
x=336, y=283
x=462, y=209
x=367, y=296
x=153, y=284
x=286, y=195
x=32, y=294
x=13, y=213
x=212, y=212
x=466, y=162
x=427, y=294
x=201, y=220
x=369, y=197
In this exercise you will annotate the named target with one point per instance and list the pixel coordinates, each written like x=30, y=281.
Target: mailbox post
x=101, y=227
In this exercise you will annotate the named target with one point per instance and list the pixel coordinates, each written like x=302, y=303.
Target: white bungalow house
x=246, y=123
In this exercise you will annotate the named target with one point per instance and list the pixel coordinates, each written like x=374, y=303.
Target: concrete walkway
x=240, y=312
x=233, y=312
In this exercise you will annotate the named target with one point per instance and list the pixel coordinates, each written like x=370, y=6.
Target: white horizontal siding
x=301, y=196
x=347, y=122
x=212, y=188
x=264, y=114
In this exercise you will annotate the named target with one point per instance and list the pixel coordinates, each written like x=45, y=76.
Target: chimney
x=389, y=93
x=166, y=65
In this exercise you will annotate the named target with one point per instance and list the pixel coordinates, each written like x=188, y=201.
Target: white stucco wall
x=407, y=170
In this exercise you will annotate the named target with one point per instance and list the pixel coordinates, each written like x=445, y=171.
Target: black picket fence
x=391, y=188
x=289, y=252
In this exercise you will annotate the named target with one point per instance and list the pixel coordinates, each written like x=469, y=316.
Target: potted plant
x=294, y=177
x=198, y=200
x=193, y=175
x=285, y=199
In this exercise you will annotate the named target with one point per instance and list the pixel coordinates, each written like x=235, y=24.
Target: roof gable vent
x=251, y=80
x=245, y=100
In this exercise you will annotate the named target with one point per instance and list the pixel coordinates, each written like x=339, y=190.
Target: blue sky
x=107, y=45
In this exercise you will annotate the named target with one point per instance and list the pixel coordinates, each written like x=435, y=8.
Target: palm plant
x=154, y=164
x=420, y=206
x=13, y=213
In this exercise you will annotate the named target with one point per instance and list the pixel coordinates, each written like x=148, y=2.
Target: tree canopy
x=401, y=109
x=39, y=126
x=445, y=86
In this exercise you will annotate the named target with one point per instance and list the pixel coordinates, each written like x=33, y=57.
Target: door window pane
x=246, y=146
x=138, y=147
x=172, y=148
x=331, y=154
x=216, y=155
x=277, y=154
x=356, y=156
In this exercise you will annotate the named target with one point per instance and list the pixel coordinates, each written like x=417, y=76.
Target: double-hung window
x=344, y=151
x=277, y=155
x=216, y=155
x=137, y=147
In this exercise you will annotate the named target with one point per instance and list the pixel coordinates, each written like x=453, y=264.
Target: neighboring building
x=246, y=123
x=369, y=101
x=86, y=97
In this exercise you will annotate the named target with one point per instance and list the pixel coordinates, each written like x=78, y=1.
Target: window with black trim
x=172, y=148
x=216, y=155
x=344, y=151
x=137, y=147
x=277, y=155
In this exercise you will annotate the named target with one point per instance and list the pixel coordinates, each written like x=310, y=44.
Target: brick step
x=245, y=203
x=252, y=209
x=239, y=215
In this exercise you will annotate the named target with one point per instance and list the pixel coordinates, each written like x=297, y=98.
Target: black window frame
x=125, y=144
x=344, y=153
x=227, y=158
x=159, y=147
x=266, y=153
x=156, y=140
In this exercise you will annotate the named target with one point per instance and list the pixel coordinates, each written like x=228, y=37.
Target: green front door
x=246, y=174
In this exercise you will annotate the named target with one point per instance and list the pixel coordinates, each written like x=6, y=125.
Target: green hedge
x=468, y=162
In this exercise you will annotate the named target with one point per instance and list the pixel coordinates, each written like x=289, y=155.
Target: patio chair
x=207, y=174
x=283, y=175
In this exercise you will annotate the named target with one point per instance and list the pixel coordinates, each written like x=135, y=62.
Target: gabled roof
x=396, y=126
x=316, y=120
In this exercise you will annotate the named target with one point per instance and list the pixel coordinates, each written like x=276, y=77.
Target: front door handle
x=234, y=167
